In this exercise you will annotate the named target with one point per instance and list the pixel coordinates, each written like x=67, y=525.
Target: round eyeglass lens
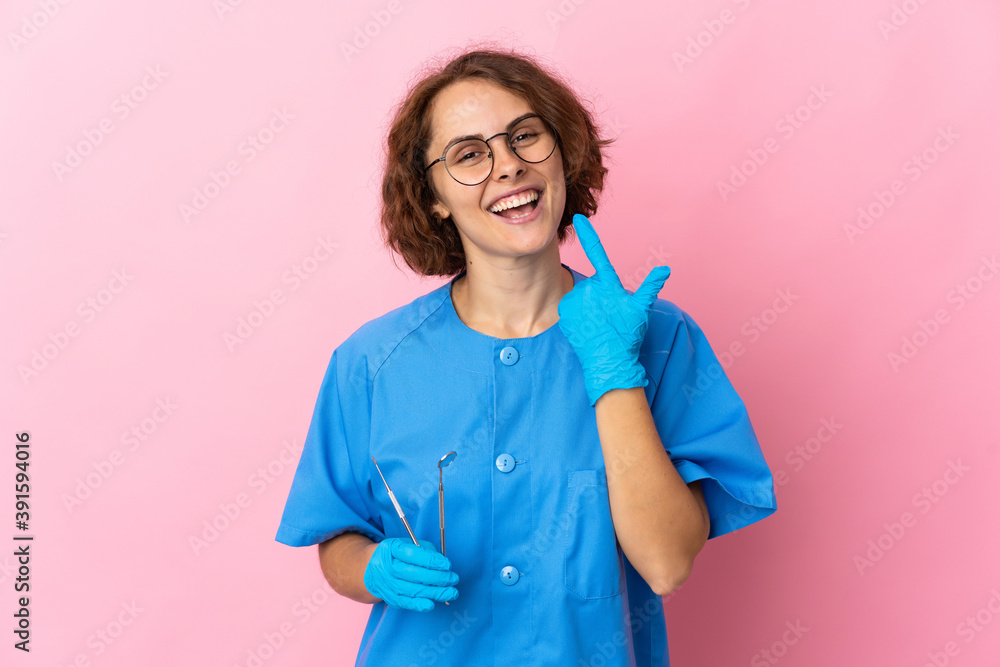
x=470, y=162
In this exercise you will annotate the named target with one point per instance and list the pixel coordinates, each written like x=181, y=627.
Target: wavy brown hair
x=430, y=245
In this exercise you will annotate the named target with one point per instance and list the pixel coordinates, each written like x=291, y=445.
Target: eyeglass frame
x=513, y=150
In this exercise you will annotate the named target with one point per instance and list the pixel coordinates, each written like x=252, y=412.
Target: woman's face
x=475, y=106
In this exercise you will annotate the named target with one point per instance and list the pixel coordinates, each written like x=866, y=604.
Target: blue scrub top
x=543, y=580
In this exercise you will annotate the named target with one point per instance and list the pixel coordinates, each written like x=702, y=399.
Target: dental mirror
x=445, y=460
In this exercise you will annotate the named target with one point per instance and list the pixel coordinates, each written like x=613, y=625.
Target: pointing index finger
x=592, y=244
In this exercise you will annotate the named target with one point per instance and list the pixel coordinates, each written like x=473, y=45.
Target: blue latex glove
x=410, y=577
x=604, y=323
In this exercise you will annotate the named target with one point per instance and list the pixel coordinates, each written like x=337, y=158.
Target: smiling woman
x=471, y=87
x=584, y=483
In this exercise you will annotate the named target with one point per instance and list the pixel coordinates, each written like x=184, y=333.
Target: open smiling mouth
x=524, y=210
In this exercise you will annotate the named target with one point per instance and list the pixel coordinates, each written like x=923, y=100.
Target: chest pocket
x=593, y=566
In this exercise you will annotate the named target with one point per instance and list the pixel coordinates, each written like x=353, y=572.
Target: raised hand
x=604, y=323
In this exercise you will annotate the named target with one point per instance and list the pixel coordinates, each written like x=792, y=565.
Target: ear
x=438, y=210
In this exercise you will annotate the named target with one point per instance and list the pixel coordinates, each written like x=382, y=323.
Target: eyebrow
x=480, y=136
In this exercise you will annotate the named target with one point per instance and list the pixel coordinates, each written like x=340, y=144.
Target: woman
x=594, y=458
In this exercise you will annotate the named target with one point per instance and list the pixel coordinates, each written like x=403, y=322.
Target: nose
x=505, y=160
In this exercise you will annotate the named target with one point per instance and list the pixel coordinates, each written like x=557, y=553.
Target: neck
x=512, y=301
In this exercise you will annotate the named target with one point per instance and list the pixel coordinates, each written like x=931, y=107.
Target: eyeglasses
x=470, y=161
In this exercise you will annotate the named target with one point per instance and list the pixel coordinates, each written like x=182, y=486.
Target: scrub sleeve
x=325, y=499
x=706, y=430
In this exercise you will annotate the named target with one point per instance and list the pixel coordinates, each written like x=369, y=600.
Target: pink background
x=235, y=412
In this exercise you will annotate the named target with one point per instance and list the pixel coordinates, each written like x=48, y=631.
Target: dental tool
x=445, y=460
x=395, y=503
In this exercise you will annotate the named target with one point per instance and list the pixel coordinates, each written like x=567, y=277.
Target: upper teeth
x=520, y=199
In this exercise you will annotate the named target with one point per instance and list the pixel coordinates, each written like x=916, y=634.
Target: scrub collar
x=457, y=321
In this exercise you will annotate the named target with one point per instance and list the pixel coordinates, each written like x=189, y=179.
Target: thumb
x=651, y=286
